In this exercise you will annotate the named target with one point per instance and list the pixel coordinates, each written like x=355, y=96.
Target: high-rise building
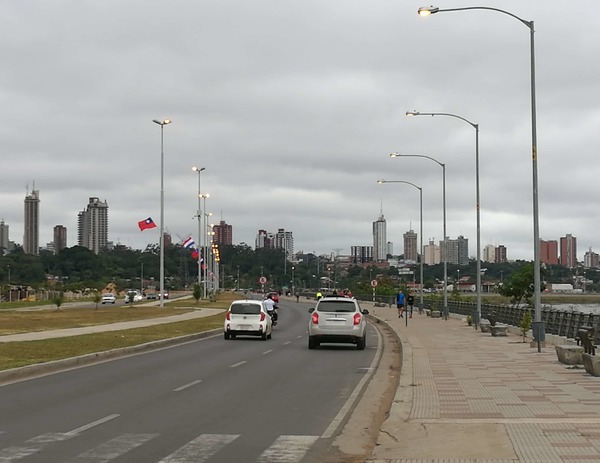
x=31, y=236
x=361, y=254
x=264, y=239
x=60, y=238
x=431, y=253
x=285, y=240
x=568, y=251
x=549, y=252
x=3, y=237
x=489, y=253
x=410, y=246
x=591, y=259
x=457, y=250
x=500, y=257
x=92, y=226
x=223, y=233
x=379, y=240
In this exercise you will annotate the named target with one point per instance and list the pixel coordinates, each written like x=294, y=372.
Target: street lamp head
x=379, y=182
x=198, y=169
x=395, y=155
x=427, y=10
x=413, y=113
x=161, y=123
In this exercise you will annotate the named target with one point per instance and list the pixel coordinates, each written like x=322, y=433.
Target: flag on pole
x=146, y=224
x=188, y=243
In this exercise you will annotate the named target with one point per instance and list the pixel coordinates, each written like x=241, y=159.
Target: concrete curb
x=31, y=371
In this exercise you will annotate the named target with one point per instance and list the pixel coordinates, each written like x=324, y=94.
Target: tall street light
x=199, y=216
x=203, y=238
x=443, y=166
x=538, y=324
x=9, y=287
x=162, y=210
x=421, y=228
x=477, y=314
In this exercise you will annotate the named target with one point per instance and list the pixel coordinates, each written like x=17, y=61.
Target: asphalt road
x=243, y=400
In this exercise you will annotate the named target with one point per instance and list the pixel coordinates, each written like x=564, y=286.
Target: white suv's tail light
x=314, y=318
x=356, y=319
x=262, y=316
x=228, y=315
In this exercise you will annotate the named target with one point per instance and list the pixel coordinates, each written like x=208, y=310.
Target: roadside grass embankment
x=22, y=353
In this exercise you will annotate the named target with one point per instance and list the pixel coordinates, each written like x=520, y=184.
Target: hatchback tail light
x=356, y=319
x=314, y=318
x=262, y=316
x=228, y=315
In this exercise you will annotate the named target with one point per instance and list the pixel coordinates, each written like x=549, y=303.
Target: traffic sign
x=373, y=283
x=262, y=280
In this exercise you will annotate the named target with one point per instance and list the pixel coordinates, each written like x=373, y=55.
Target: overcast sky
x=293, y=108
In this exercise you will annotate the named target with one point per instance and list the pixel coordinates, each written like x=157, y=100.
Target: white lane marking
x=85, y=427
x=287, y=342
x=235, y=365
x=267, y=352
x=113, y=448
x=287, y=449
x=337, y=421
x=299, y=337
x=185, y=386
x=200, y=449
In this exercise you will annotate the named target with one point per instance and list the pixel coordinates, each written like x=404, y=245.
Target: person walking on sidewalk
x=410, y=302
x=400, y=302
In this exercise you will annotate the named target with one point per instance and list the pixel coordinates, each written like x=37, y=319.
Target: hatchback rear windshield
x=245, y=309
x=337, y=306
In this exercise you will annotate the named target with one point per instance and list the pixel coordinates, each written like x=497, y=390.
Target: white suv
x=337, y=320
x=247, y=317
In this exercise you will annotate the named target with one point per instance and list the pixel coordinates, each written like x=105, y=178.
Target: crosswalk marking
x=200, y=449
x=113, y=448
x=33, y=445
x=287, y=449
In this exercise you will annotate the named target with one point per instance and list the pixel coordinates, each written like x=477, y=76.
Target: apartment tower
x=31, y=235
x=92, y=226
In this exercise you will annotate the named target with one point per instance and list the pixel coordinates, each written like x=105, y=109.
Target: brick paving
x=468, y=397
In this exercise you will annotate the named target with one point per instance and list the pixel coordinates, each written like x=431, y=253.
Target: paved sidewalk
x=466, y=397
x=32, y=336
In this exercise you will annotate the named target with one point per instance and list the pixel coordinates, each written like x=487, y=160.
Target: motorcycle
x=274, y=315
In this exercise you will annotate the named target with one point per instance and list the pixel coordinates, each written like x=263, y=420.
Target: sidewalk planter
x=569, y=354
x=591, y=364
x=499, y=329
x=435, y=314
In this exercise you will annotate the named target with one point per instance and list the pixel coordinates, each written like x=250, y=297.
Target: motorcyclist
x=271, y=307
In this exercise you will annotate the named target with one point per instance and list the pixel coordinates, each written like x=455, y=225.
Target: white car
x=247, y=317
x=137, y=296
x=109, y=298
x=337, y=320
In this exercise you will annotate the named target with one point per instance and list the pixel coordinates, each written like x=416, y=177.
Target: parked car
x=109, y=298
x=337, y=320
x=166, y=294
x=247, y=317
x=137, y=296
x=150, y=294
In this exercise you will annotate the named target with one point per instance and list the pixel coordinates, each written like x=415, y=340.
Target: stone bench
x=569, y=354
x=484, y=326
x=591, y=364
x=436, y=314
x=499, y=329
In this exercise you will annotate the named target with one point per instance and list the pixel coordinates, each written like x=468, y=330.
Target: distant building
x=500, y=257
x=549, y=252
x=92, y=226
x=568, y=251
x=285, y=240
x=264, y=240
x=457, y=250
x=431, y=253
x=31, y=236
x=591, y=259
x=489, y=253
x=390, y=248
x=3, y=237
x=223, y=233
x=411, y=251
x=361, y=254
x=59, y=241
x=379, y=239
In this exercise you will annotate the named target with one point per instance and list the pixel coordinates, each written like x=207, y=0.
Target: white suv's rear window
x=336, y=306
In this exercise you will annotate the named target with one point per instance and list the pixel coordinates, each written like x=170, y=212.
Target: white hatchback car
x=247, y=317
x=337, y=320
x=109, y=298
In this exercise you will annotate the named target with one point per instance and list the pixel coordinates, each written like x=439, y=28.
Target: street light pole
x=162, y=210
x=421, y=229
x=538, y=324
x=199, y=216
x=477, y=316
x=443, y=166
x=203, y=238
x=9, y=286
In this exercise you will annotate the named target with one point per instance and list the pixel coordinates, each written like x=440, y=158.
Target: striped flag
x=188, y=243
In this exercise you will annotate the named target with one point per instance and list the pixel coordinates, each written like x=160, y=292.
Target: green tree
x=525, y=324
x=519, y=286
x=96, y=297
x=58, y=299
x=197, y=292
